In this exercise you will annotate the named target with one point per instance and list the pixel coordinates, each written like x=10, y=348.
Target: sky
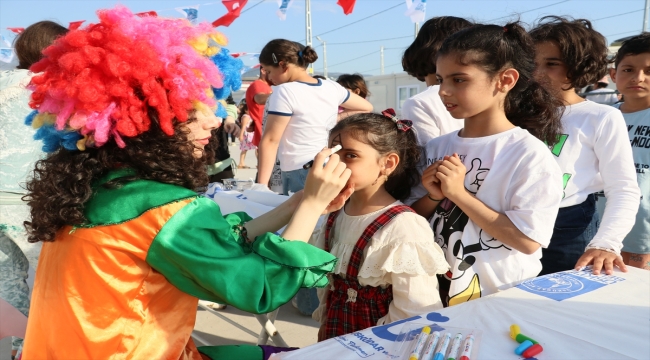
x=353, y=41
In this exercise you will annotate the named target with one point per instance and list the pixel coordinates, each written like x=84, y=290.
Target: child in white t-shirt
x=632, y=78
x=301, y=111
x=490, y=188
x=429, y=116
x=388, y=262
x=593, y=151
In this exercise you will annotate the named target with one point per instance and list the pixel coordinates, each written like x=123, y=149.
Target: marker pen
x=455, y=345
x=430, y=347
x=467, y=349
x=311, y=162
x=442, y=349
x=422, y=338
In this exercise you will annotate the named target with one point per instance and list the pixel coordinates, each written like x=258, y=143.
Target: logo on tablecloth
x=567, y=284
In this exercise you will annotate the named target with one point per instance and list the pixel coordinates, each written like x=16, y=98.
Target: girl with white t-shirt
x=491, y=187
x=593, y=151
x=429, y=116
x=301, y=111
x=388, y=263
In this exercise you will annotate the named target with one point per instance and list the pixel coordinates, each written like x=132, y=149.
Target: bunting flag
x=6, y=52
x=74, y=25
x=234, y=8
x=246, y=69
x=5, y=42
x=191, y=13
x=16, y=30
x=253, y=58
x=282, y=10
x=147, y=13
x=416, y=9
x=347, y=5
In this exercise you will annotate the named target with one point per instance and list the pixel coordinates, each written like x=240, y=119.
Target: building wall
x=384, y=90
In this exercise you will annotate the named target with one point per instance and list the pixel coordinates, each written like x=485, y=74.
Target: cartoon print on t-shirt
x=448, y=223
x=557, y=150
x=479, y=175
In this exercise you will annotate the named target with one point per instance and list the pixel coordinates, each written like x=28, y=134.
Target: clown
x=124, y=108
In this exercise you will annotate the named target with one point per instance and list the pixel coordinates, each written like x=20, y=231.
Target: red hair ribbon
x=403, y=125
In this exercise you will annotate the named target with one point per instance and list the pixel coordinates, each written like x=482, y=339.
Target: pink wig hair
x=100, y=80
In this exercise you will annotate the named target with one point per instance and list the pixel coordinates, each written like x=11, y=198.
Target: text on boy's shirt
x=641, y=135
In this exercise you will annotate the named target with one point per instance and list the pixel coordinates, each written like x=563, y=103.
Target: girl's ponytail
x=289, y=52
x=495, y=48
x=530, y=105
x=309, y=56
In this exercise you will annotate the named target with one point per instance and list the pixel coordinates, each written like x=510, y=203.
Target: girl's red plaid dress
x=350, y=306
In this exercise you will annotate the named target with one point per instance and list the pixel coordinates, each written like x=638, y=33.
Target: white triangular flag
x=282, y=10
x=191, y=12
x=416, y=9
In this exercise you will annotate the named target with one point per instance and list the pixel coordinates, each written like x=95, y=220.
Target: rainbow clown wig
x=97, y=83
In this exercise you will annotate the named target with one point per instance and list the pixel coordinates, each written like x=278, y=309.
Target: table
x=572, y=314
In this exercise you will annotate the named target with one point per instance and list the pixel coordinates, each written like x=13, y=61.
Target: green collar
x=118, y=205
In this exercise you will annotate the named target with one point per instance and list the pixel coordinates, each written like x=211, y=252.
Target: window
x=405, y=92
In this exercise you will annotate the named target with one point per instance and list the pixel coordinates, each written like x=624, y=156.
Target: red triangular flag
x=74, y=25
x=347, y=5
x=147, y=13
x=16, y=30
x=234, y=9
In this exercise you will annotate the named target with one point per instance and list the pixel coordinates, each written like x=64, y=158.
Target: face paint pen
x=311, y=162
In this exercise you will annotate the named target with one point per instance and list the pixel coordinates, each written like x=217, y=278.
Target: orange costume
x=126, y=285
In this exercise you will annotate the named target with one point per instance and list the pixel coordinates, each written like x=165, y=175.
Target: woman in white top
x=426, y=110
x=388, y=261
x=301, y=111
x=594, y=151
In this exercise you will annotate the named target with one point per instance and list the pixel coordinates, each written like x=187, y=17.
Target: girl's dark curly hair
x=382, y=134
x=495, y=48
x=583, y=49
x=62, y=182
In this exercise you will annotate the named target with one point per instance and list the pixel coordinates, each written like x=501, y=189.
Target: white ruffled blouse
x=402, y=253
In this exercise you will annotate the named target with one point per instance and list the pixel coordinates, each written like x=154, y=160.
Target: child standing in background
x=301, y=111
x=246, y=135
x=387, y=262
x=354, y=83
x=593, y=151
x=429, y=116
x=632, y=78
x=492, y=186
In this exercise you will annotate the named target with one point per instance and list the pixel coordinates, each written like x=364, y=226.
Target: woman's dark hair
x=62, y=182
x=382, y=134
x=583, y=49
x=633, y=46
x=495, y=48
x=354, y=82
x=288, y=51
x=29, y=45
x=419, y=58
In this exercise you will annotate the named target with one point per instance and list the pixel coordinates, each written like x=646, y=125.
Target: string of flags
x=415, y=9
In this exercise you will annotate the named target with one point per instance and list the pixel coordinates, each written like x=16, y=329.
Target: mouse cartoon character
x=448, y=223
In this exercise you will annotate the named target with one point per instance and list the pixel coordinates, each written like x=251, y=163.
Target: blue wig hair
x=231, y=68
